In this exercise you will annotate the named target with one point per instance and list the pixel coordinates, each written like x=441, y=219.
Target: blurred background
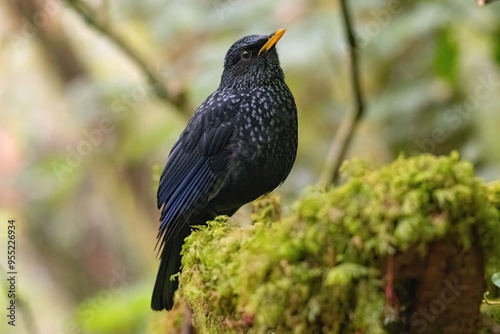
x=84, y=136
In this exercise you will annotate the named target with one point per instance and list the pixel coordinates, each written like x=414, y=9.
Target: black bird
x=240, y=144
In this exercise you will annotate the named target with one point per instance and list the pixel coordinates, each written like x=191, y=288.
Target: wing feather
x=190, y=193
x=195, y=169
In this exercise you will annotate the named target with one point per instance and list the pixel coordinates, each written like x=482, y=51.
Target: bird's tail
x=170, y=264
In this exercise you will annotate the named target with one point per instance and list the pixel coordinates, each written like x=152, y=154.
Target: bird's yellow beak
x=272, y=41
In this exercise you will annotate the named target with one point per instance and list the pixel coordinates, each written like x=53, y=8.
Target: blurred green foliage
x=99, y=314
x=82, y=132
x=446, y=58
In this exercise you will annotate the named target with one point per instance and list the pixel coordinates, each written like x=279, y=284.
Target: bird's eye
x=246, y=54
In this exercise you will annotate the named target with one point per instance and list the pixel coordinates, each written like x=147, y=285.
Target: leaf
x=496, y=279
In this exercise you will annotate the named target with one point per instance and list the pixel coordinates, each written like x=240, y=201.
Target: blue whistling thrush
x=240, y=144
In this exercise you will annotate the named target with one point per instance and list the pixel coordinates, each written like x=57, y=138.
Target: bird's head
x=252, y=61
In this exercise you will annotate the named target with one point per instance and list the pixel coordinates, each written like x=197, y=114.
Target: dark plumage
x=240, y=144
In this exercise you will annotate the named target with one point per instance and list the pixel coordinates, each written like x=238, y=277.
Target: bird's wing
x=196, y=168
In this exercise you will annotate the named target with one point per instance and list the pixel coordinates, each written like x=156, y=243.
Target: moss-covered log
x=404, y=249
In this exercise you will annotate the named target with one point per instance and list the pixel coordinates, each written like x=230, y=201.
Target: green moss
x=317, y=270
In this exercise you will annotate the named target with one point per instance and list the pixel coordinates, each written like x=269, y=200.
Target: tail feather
x=170, y=264
x=170, y=261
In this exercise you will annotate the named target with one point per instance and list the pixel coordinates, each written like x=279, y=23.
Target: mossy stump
x=403, y=249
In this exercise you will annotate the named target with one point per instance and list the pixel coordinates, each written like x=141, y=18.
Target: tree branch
x=346, y=129
x=86, y=12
